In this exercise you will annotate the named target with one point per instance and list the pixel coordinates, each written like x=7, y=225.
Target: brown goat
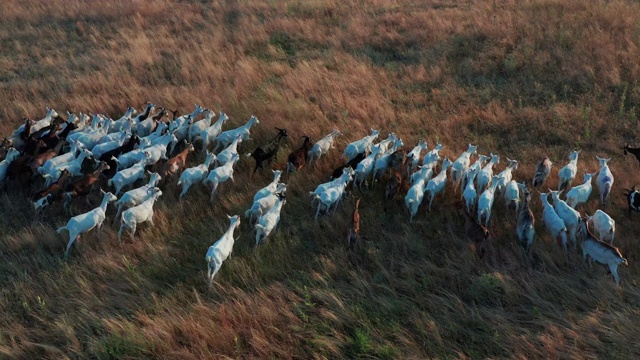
x=84, y=185
x=177, y=163
x=394, y=184
x=478, y=234
x=299, y=157
x=40, y=159
x=53, y=193
x=354, y=231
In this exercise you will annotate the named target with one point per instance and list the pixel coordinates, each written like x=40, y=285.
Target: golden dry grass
x=520, y=78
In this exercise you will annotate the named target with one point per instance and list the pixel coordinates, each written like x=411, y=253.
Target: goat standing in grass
x=195, y=174
x=485, y=175
x=209, y=134
x=269, y=151
x=360, y=146
x=136, y=196
x=525, y=227
x=82, y=223
x=568, y=172
x=602, y=224
x=322, y=146
x=436, y=185
x=476, y=167
x=604, y=181
x=485, y=202
x=570, y=216
x=634, y=151
x=139, y=214
x=543, y=169
x=603, y=253
x=267, y=222
x=554, y=223
x=221, y=249
x=298, y=158
x=580, y=194
x=354, y=231
x=414, y=156
x=227, y=137
x=220, y=174
x=633, y=199
x=262, y=205
x=460, y=166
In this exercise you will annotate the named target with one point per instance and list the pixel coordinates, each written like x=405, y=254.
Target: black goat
x=634, y=151
x=109, y=155
x=633, y=198
x=269, y=151
x=353, y=163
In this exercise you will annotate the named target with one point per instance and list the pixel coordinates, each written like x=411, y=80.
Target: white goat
x=196, y=128
x=323, y=145
x=414, y=197
x=413, y=157
x=73, y=167
x=269, y=189
x=580, y=194
x=364, y=167
x=331, y=196
x=512, y=194
x=344, y=178
x=102, y=148
x=220, y=175
x=227, y=137
x=477, y=166
x=603, y=225
x=221, y=249
x=460, y=166
x=381, y=164
x=261, y=206
x=384, y=144
x=207, y=135
x=424, y=172
x=44, y=122
x=11, y=155
x=568, y=172
x=604, y=180
x=570, y=216
x=433, y=155
x=136, y=196
x=360, y=146
x=195, y=174
x=485, y=202
x=127, y=177
x=603, y=253
x=438, y=183
x=84, y=222
x=469, y=194
x=485, y=175
x=139, y=214
x=227, y=154
x=554, y=222
x=159, y=149
x=505, y=175
x=267, y=222
x=61, y=159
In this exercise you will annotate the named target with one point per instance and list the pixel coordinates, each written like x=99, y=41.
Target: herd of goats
x=70, y=159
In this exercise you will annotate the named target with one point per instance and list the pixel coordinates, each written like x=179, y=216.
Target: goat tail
x=61, y=229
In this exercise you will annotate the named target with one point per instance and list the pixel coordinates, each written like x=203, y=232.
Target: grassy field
x=524, y=79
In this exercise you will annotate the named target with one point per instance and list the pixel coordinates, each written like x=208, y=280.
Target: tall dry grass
x=523, y=79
